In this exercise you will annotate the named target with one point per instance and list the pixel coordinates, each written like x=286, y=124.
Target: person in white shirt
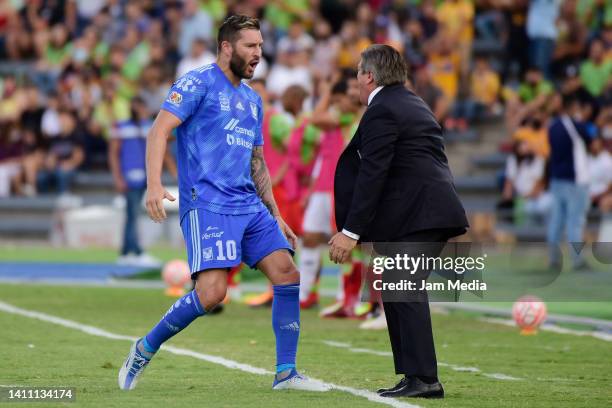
x=525, y=173
x=199, y=56
x=600, y=170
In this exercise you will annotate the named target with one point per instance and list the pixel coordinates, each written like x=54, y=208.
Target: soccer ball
x=528, y=313
x=176, y=275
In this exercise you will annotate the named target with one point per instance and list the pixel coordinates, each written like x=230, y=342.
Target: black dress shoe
x=417, y=389
x=397, y=386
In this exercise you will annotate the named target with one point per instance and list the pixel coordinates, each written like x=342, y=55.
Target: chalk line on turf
x=553, y=328
x=95, y=331
x=347, y=346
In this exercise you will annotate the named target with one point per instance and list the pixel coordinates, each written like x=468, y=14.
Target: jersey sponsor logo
x=209, y=235
x=211, y=228
x=207, y=254
x=253, y=110
x=175, y=98
x=224, y=102
x=238, y=141
x=239, y=106
x=232, y=126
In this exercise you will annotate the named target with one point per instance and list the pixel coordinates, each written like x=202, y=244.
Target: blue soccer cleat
x=296, y=381
x=134, y=365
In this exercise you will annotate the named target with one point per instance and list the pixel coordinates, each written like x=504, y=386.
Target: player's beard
x=239, y=65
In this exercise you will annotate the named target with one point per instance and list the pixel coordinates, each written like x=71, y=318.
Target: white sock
x=310, y=258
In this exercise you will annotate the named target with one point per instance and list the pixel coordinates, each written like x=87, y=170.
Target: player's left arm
x=263, y=184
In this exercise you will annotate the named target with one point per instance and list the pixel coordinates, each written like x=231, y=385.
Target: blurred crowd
x=71, y=70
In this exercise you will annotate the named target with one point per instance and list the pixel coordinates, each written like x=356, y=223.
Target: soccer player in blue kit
x=227, y=210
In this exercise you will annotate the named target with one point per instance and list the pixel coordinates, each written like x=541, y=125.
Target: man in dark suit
x=393, y=185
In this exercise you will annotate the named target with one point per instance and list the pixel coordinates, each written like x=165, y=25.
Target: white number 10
x=230, y=246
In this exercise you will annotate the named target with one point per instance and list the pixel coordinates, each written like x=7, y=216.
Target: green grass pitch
x=553, y=370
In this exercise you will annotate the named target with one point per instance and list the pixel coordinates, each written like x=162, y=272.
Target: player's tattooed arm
x=261, y=178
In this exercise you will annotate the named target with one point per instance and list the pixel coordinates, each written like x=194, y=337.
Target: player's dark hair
x=231, y=27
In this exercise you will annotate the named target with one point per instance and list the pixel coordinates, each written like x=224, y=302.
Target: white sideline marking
x=95, y=331
x=553, y=328
x=497, y=376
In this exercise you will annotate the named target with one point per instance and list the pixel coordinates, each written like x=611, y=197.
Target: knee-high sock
x=181, y=313
x=310, y=258
x=286, y=324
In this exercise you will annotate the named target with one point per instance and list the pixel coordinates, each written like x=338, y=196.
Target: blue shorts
x=223, y=241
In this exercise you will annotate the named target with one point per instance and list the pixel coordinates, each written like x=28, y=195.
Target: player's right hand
x=155, y=202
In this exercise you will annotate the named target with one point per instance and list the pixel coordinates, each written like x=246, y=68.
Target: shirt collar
x=373, y=94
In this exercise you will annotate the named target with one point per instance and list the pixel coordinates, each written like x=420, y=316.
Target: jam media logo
x=175, y=98
x=253, y=110
x=224, y=102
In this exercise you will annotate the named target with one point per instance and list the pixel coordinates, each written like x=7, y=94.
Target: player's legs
x=317, y=229
x=211, y=250
x=265, y=247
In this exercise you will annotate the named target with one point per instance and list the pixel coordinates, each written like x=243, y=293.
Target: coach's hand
x=155, y=202
x=291, y=237
x=341, y=247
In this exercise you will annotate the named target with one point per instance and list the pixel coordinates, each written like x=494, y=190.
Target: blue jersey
x=220, y=125
x=133, y=136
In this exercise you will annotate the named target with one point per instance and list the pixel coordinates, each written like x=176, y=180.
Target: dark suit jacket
x=393, y=177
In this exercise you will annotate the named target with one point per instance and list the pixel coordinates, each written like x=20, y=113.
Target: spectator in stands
x=444, y=66
x=525, y=181
x=456, y=21
x=11, y=151
x=571, y=39
x=63, y=158
x=569, y=179
x=482, y=98
x=600, y=170
x=542, y=32
x=196, y=23
x=596, y=72
x=153, y=88
x=291, y=68
x=352, y=44
x=126, y=160
x=431, y=94
x=325, y=50
x=297, y=39
x=414, y=42
x=199, y=56
x=533, y=94
x=534, y=131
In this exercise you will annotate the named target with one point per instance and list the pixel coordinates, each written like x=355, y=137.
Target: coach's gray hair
x=385, y=63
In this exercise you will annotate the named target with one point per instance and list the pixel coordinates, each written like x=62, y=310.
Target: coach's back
x=393, y=178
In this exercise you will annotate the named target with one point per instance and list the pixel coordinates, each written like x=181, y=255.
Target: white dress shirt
x=370, y=97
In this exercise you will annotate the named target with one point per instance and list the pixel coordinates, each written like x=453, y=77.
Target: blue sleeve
x=185, y=96
x=259, y=134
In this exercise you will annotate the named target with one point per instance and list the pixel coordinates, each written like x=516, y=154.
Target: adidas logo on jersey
x=239, y=106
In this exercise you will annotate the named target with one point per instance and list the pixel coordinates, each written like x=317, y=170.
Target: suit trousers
x=409, y=322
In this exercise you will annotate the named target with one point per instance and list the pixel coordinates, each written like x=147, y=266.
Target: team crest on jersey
x=224, y=102
x=175, y=98
x=207, y=254
x=239, y=106
x=253, y=110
